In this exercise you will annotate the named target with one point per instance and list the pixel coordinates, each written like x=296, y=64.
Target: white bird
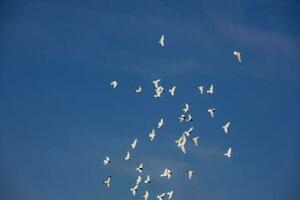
x=186, y=108
x=134, y=190
x=182, y=118
x=166, y=173
x=146, y=195
x=106, y=160
x=114, y=84
x=238, y=55
x=195, y=140
x=140, y=168
x=139, y=89
x=172, y=90
x=152, y=135
x=226, y=127
x=133, y=144
x=138, y=180
x=162, y=40
x=161, y=196
x=107, y=182
x=170, y=194
x=190, y=174
x=211, y=112
x=189, y=118
x=181, y=143
x=156, y=82
x=228, y=153
x=188, y=132
x=201, y=89
x=160, y=123
x=127, y=157
x=147, y=180
x=158, y=91
x=210, y=90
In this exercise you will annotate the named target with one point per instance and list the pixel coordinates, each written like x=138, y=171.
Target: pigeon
x=138, y=180
x=134, y=189
x=226, y=127
x=181, y=143
x=152, y=135
x=166, y=173
x=182, y=118
x=138, y=90
x=228, y=153
x=134, y=143
x=170, y=194
x=156, y=82
x=210, y=90
x=189, y=118
x=186, y=108
x=211, y=112
x=146, y=195
x=201, y=89
x=140, y=168
x=188, y=132
x=172, y=90
x=238, y=55
x=158, y=91
x=190, y=174
x=147, y=180
x=107, y=182
x=162, y=40
x=106, y=161
x=195, y=140
x=161, y=196
x=127, y=157
x=114, y=84
x=160, y=123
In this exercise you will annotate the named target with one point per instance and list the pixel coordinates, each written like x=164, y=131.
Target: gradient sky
x=59, y=117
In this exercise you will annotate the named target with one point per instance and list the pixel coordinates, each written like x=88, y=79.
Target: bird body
x=114, y=84
x=210, y=90
x=127, y=157
x=133, y=144
x=147, y=180
x=106, y=182
x=170, y=194
x=172, y=90
x=238, y=55
x=160, y=123
x=186, y=108
x=152, y=135
x=106, y=161
x=146, y=195
x=195, y=140
x=211, y=111
x=226, y=127
x=228, y=153
x=201, y=89
x=139, y=89
x=140, y=168
x=190, y=174
x=162, y=40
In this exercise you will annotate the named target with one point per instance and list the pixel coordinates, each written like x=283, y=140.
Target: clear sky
x=59, y=117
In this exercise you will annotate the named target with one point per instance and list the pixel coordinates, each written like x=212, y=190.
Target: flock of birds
x=180, y=142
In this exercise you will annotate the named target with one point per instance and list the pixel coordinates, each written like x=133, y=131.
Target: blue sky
x=59, y=116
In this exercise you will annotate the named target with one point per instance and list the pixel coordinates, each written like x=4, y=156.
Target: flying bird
x=166, y=173
x=161, y=196
x=162, y=40
x=139, y=89
x=238, y=55
x=189, y=118
x=106, y=182
x=114, y=84
x=226, y=127
x=211, y=112
x=195, y=140
x=172, y=90
x=182, y=118
x=134, y=143
x=156, y=82
x=190, y=174
x=146, y=195
x=188, y=132
x=138, y=180
x=127, y=157
x=134, y=190
x=140, y=168
x=170, y=194
x=147, y=180
x=160, y=123
x=106, y=161
x=201, y=89
x=152, y=135
x=210, y=90
x=228, y=153
x=186, y=108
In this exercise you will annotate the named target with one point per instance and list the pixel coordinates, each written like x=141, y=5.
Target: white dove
x=147, y=180
x=210, y=90
x=201, y=89
x=189, y=118
x=107, y=182
x=228, y=153
x=211, y=112
x=162, y=40
x=186, y=108
x=170, y=194
x=172, y=90
x=146, y=195
x=226, y=127
x=182, y=118
x=133, y=144
x=152, y=135
x=156, y=82
x=190, y=174
x=106, y=160
x=161, y=196
x=238, y=55
x=166, y=173
x=138, y=180
x=160, y=123
x=188, y=132
x=140, y=168
x=127, y=157
x=139, y=89
x=114, y=84
x=195, y=140
x=134, y=190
